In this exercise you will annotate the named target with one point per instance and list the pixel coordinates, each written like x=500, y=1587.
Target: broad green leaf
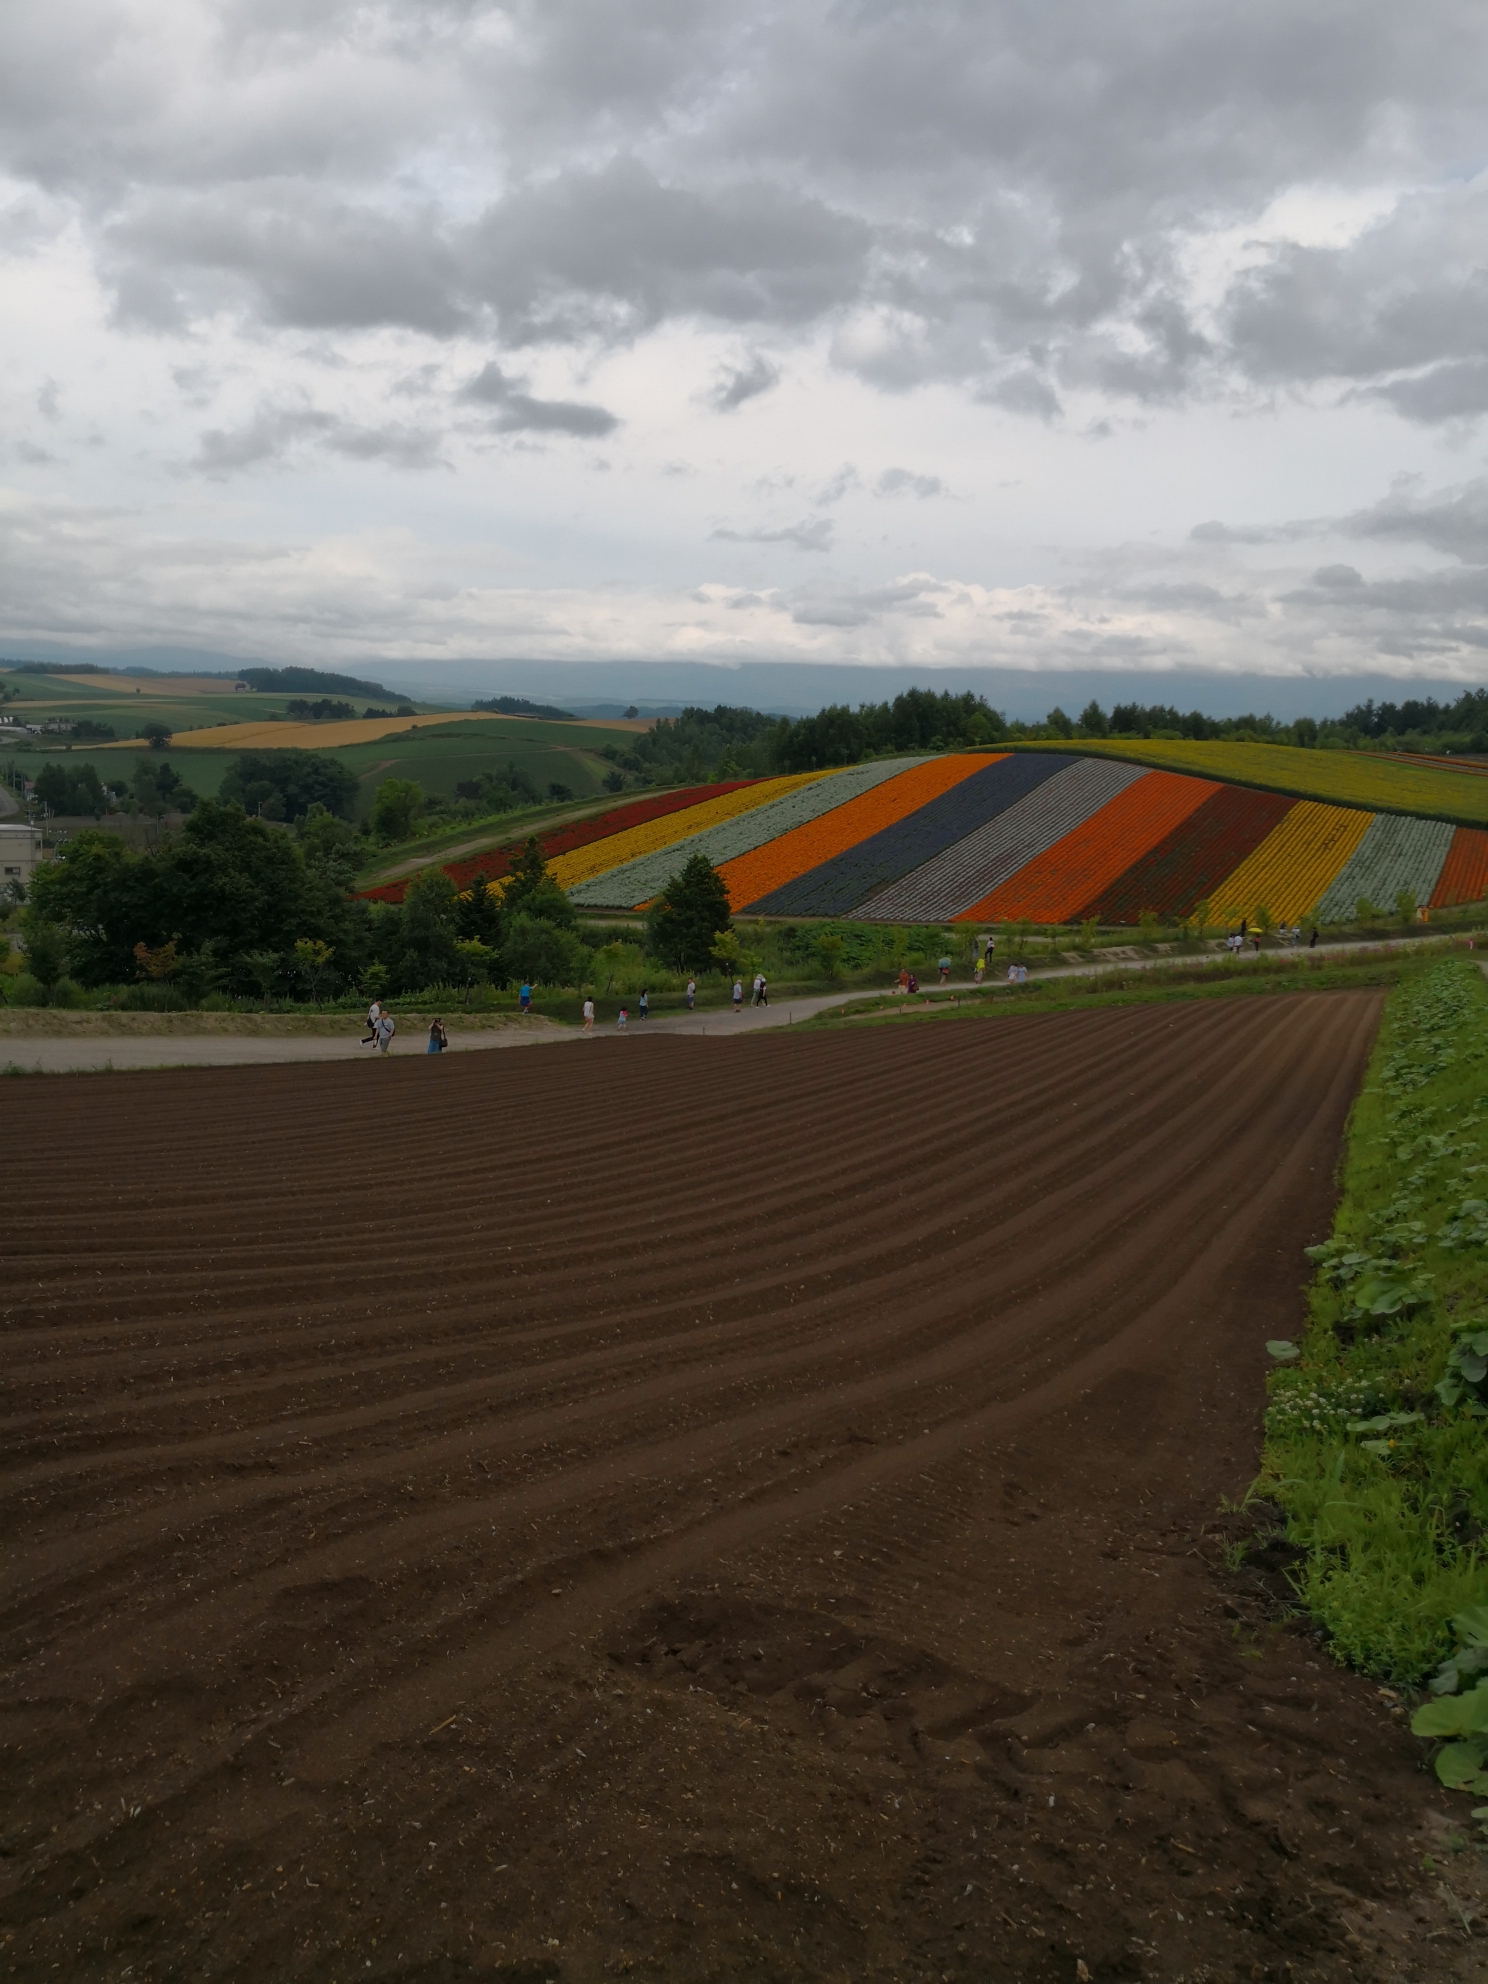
x=1471, y=1625
x=1283, y=1351
x=1453, y=1715
x=1460, y=1767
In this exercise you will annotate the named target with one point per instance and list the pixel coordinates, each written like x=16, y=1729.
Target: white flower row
x=961, y=875
x=638, y=881
x=1394, y=854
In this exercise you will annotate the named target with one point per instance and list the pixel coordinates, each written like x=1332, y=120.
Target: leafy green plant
x=1464, y=1717
x=1471, y=1657
x=1465, y=1383
x=1375, y=1442
x=263, y=968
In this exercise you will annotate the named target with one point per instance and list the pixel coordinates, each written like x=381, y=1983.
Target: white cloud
x=1103, y=271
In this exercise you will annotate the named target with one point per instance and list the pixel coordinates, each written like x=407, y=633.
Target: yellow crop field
x=600, y=856
x=1293, y=865
x=1346, y=778
x=270, y=736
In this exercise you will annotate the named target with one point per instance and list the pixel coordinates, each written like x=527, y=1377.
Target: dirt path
x=96, y=1041
x=684, y=1515
x=40, y=1054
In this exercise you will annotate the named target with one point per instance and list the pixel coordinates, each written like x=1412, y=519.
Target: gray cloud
x=274, y=433
x=904, y=482
x=518, y=412
x=738, y=383
x=1444, y=392
x=1410, y=292
x=1452, y=520
x=285, y=254
x=991, y=195
x=813, y=535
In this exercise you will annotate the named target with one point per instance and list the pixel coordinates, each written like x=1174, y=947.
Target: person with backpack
x=374, y=1014
x=387, y=1026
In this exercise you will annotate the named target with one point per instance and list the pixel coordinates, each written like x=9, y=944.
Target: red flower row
x=496, y=862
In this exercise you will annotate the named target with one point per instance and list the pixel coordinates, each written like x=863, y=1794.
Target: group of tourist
x=1289, y=935
x=381, y=1027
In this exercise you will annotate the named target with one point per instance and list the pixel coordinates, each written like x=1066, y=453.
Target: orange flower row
x=754, y=875
x=1464, y=875
x=1057, y=882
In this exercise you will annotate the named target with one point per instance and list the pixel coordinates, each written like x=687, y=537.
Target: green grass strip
x=1381, y=1468
x=1131, y=986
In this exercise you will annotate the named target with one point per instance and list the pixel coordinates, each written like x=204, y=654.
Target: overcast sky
x=1065, y=334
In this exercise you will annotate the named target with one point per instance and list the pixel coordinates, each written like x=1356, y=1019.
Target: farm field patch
x=1293, y=865
x=1464, y=875
x=772, y=824
x=1185, y=867
x=684, y=1567
x=1395, y=855
x=1054, y=884
x=1376, y=782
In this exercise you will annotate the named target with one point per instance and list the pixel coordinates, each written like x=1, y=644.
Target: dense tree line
x=1424, y=717
x=284, y=785
x=75, y=790
x=230, y=903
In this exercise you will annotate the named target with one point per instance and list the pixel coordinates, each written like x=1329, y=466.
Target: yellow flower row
x=1293, y=865
x=600, y=856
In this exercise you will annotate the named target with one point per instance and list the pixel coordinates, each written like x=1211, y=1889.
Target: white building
x=20, y=853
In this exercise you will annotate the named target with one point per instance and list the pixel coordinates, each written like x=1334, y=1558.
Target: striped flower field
x=1044, y=836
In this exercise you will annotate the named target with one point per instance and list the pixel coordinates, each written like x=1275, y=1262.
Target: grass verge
x=1382, y=1474
x=1140, y=985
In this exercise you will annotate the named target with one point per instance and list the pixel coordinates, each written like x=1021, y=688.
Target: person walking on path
x=762, y=990
x=588, y=1016
x=738, y=996
x=691, y=993
x=374, y=1014
x=438, y=1038
x=759, y=979
x=944, y=969
x=525, y=997
x=645, y=1003
x=620, y=1023
x=1312, y=941
x=387, y=1026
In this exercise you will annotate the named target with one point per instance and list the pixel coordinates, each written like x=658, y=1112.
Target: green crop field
x=125, y=702
x=549, y=753
x=203, y=771
x=1343, y=778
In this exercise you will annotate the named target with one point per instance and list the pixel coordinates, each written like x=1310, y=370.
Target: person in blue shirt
x=645, y=1004
x=526, y=997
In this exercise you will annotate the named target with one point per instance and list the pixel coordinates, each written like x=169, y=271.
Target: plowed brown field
x=681, y=1509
